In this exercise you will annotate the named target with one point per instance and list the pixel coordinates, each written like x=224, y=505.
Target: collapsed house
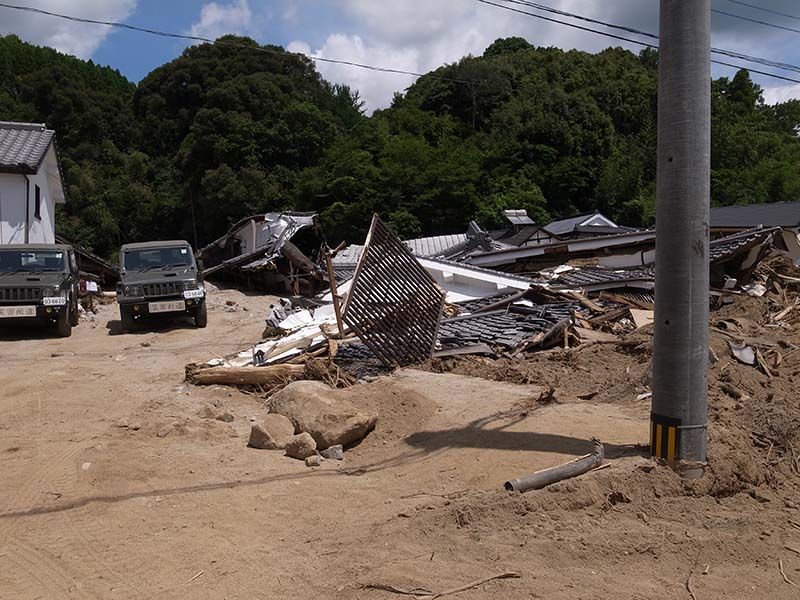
x=275, y=251
x=390, y=307
x=524, y=231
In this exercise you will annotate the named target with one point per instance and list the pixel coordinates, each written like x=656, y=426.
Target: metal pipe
x=545, y=477
x=680, y=362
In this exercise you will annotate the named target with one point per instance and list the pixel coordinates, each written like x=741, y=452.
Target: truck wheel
x=127, y=319
x=64, y=323
x=74, y=314
x=201, y=316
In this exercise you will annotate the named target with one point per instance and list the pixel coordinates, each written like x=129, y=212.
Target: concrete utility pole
x=678, y=420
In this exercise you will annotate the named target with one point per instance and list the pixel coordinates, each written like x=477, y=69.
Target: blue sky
x=415, y=35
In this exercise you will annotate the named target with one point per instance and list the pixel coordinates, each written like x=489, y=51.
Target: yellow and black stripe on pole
x=664, y=437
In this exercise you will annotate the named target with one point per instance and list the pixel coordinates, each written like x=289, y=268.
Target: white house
x=30, y=183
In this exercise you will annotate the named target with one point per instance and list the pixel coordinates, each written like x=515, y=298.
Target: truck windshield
x=26, y=261
x=154, y=258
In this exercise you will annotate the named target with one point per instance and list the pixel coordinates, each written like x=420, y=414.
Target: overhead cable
x=627, y=39
x=751, y=20
x=386, y=69
x=766, y=10
x=197, y=38
x=729, y=53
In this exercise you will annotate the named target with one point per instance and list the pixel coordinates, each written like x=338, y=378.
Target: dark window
x=37, y=210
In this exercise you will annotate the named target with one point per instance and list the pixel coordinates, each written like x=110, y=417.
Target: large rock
x=314, y=407
x=272, y=433
x=301, y=446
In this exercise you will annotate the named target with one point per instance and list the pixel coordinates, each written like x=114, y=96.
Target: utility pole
x=679, y=413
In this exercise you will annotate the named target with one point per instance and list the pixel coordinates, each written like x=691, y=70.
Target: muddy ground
x=116, y=485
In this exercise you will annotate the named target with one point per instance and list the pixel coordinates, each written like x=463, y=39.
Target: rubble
x=266, y=250
x=401, y=307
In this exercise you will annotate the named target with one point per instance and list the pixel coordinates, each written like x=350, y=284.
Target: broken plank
x=592, y=335
x=642, y=317
x=629, y=300
x=461, y=350
x=611, y=315
x=242, y=375
x=584, y=301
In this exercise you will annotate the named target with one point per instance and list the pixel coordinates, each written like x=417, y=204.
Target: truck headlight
x=132, y=290
x=54, y=296
x=193, y=290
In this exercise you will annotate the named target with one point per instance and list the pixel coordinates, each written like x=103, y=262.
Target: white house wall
x=12, y=209
x=42, y=230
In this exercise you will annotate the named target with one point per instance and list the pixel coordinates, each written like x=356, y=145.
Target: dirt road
x=115, y=486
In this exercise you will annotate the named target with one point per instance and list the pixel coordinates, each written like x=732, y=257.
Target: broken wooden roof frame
x=393, y=304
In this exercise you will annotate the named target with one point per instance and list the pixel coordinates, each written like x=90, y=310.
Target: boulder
x=272, y=433
x=301, y=446
x=315, y=408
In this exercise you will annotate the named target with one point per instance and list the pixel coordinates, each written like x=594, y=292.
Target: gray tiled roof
x=436, y=245
x=572, y=224
x=23, y=146
x=727, y=247
x=592, y=275
x=782, y=214
x=566, y=225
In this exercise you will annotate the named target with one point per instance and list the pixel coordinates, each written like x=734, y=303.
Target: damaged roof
x=570, y=224
x=727, y=247
x=23, y=146
x=592, y=278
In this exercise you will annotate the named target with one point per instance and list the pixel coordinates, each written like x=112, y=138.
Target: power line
x=729, y=53
x=633, y=41
x=196, y=38
x=389, y=69
x=766, y=10
x=751, y=20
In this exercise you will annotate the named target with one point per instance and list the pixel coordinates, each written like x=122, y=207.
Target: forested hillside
x=222, y=132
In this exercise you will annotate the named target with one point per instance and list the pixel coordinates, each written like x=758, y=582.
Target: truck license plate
x=10, y=312
x=173, y=306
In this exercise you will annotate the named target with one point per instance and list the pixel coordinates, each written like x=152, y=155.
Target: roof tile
x=23, y=146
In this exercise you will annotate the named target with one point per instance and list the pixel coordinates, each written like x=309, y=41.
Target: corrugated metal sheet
x=393, y=304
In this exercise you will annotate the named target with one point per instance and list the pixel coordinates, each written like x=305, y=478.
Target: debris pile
x=395, y=307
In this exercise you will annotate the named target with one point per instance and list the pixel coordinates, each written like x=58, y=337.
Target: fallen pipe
x=545, y=477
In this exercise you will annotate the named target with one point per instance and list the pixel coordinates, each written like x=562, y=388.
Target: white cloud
x=79, y=39
x=776, y=95
x=420, y=35
x=219, y=19
x=376, y=88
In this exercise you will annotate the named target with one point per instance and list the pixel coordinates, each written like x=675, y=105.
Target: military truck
x=39, y=282
x=160, y=279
